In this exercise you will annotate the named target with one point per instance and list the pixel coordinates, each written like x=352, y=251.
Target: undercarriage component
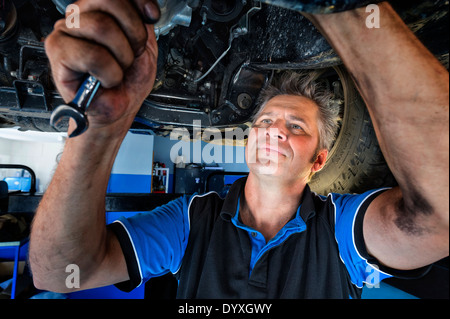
x=173, y=13
x=221, y=11
x=9, y=28
x=214, y=56
x=320, y=6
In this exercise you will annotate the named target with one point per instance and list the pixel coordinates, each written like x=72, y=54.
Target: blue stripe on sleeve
x=347, y=208
x=159, y=237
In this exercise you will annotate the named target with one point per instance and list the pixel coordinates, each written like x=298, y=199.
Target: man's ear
x=320, y=161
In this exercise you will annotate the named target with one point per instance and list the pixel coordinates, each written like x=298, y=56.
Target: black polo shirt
x=320, y=253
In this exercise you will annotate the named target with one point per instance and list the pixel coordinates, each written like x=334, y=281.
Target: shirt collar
x=230, y=206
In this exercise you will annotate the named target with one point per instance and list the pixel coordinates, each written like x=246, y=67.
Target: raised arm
x=407, y=93
x=114, y=45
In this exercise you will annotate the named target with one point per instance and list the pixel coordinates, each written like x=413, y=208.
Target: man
x=271, y=237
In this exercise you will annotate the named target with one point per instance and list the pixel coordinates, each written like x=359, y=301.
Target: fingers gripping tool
x=78, y=107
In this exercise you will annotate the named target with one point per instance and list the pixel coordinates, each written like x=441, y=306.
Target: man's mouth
x=269, y=149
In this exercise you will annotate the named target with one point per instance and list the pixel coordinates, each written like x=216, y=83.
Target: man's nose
x=277, y=131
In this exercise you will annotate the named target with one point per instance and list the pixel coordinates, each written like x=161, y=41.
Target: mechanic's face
x=284, y=139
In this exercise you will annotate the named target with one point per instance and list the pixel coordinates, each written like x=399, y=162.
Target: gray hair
x=305, y=85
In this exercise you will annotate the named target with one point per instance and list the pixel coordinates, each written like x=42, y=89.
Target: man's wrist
x=101, y=135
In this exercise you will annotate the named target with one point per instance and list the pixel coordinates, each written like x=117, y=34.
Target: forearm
x=69, y=226
x=406, y=91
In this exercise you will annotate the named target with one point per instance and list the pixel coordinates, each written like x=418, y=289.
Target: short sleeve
x=153, y=243
x=349, y=215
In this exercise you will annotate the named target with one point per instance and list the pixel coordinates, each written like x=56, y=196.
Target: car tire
x=355, y=163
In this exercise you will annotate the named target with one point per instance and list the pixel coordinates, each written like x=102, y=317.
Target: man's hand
x=115, y=42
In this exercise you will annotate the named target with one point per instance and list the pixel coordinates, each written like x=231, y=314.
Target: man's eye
x=296, y=127
x=266, y=121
